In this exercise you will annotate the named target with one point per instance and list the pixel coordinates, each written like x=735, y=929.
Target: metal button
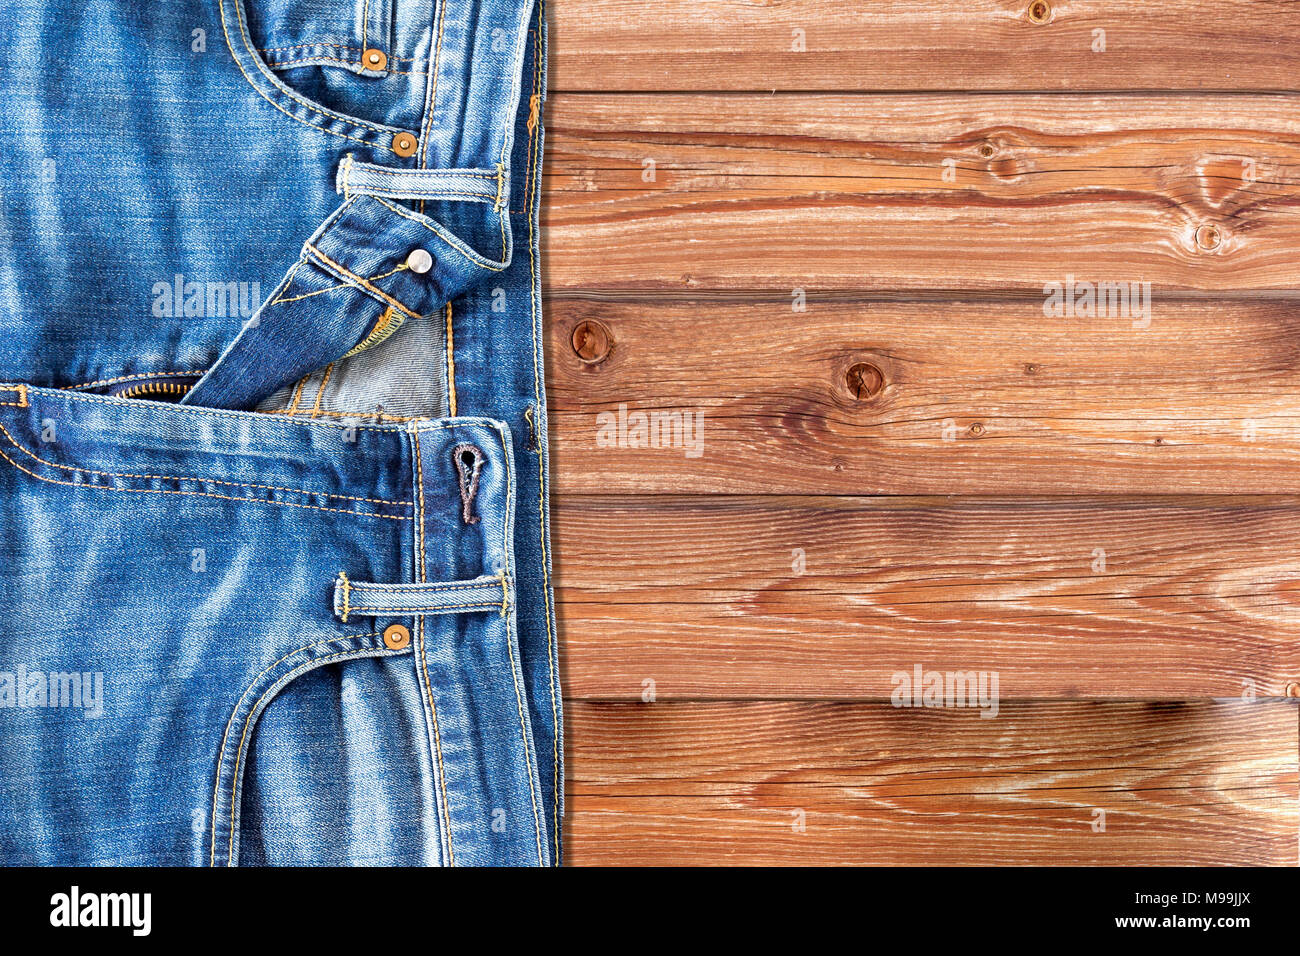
x=374, y=59
x=404, y=144
x=396, y=637
x=419, y=261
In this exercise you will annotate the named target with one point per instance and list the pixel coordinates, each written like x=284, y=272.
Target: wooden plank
x=946, y=192
x=959, y=397
x=1187, y=784
x=719, y=597
x=923, y=44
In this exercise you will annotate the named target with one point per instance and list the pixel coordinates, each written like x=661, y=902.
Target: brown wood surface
x=1207, y=783
x=920, y=466
x=975, y=397
x=721, y=597
x=847, y=192
x=923, y=44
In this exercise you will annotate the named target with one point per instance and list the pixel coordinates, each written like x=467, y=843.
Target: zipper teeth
x=154, y=388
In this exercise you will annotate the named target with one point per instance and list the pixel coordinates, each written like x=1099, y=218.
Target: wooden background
x=920, y=467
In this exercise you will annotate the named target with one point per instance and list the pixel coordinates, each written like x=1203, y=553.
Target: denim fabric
x=274, y=549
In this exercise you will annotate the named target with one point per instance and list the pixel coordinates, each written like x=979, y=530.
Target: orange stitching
x=346, y=591
x=351, y=120
x=272, y=417
x=222, y=753
x=365, y=284
x=333, y=46
x=419, y=484
x=421, y=588
x=372, y=170
x=262, y=93
x=198, y=494
x=280, y=683
x=451, y=365
x=22, y=395
x=469, y=254
x=283, y=64
x=128, y=378
x=507, y=529
x=214, y=481
x=329, y=370
x=433, y=92
x=297, y=395
x=424, y=660
x=541, y=467
x=422, y=608
x=381, y=416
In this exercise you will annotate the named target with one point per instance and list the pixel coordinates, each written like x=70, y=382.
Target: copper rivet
x=396, y=637
x=374, y=59
x=404, y=144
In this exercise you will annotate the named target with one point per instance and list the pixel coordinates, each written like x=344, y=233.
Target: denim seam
x=320, y=392
x=255, y=711
x=213, y=481
x=331, y=61
x=198, y=494
x=512, y=638
x=431, y=97
x=334, y=288
x=353, y=122
x=424, y=608
x=331, y=46
x=534, y=136
x=216, y=785
x=22, y=395
x=445, y=810
x=345, y=274
x=266, y=417
x=379, y=416
x=468, y=253
x=296, y=97
x=128, y=378
x=425, y=587
x=451, y=365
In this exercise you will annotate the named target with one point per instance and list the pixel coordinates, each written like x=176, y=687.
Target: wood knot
x=1209, y=237
x=591, y=341
x=1040, y=11
x=864, y=381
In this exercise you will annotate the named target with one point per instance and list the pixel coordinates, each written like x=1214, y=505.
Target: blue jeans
x=274, y=552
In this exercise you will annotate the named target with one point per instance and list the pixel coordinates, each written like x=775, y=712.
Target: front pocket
x=318, y=56
x=114, y=445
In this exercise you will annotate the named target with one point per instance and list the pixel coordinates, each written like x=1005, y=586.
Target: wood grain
x=719, y=597
x=926, y=192
x=923, y=44
x=973, y=398
x=1184, y=784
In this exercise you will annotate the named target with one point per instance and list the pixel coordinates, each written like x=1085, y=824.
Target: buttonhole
x=469, y=461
